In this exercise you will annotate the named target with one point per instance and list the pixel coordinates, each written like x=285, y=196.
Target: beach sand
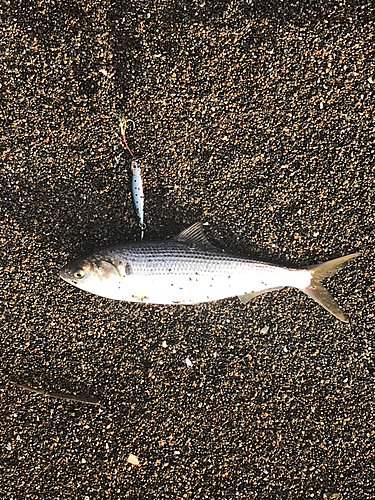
x=257, y=121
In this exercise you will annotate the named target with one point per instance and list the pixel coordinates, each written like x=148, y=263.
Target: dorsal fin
x=194, y=235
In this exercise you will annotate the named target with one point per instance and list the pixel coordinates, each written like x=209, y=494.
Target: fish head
x=92, y=274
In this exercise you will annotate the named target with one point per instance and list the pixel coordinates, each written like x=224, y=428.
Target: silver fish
x=188, y=269
x=137, y=194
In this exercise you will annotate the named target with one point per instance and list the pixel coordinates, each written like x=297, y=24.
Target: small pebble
x=132, y=459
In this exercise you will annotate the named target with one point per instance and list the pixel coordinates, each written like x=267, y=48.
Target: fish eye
x=79, y=274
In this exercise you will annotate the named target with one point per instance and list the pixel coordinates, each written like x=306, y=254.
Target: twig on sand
x=59, y=395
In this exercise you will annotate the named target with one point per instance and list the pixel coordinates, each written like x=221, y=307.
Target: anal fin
x=246, y=297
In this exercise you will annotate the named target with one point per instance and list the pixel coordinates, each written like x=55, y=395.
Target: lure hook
x=132, y=122
x=123, y=125
x=142, y=227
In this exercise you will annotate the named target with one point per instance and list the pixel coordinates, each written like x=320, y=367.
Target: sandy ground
x=258, y=121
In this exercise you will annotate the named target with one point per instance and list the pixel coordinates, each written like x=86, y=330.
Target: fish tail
x=317, y=291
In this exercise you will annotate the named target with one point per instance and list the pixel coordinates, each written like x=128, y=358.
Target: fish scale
x=188, y=269
x=148, y=260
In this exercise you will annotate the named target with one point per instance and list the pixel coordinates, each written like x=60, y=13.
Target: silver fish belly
x=188, y=269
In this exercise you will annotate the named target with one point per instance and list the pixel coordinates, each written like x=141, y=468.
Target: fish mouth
x=66, y=275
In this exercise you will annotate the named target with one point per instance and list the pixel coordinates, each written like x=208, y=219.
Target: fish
x=189, y=269
x=137, y=194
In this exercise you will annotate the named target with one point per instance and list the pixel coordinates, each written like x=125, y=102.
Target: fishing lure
x=136, y=180
x=137, y=194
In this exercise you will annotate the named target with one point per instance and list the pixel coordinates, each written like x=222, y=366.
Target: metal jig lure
x=136, y=179
x=137, y=194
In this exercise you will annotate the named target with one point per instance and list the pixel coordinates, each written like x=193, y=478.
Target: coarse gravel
x=256, y=118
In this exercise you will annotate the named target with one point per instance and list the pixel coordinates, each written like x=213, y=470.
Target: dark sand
x=258, y=121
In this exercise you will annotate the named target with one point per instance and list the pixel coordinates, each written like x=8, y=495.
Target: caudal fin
x=317, y=291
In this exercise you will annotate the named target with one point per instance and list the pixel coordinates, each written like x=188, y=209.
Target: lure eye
x=79, y=274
